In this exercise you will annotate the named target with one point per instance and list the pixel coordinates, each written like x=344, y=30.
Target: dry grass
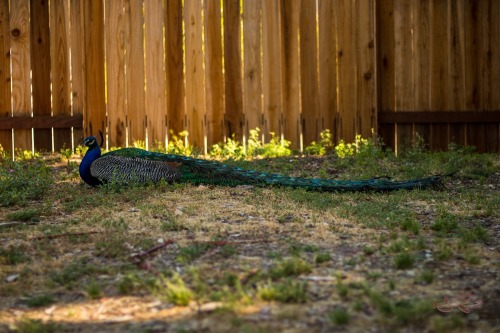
x=249, y=258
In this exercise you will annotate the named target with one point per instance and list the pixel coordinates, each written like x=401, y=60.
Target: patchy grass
x=178, y=257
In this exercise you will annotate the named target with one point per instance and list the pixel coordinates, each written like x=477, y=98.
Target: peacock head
x=90, y=141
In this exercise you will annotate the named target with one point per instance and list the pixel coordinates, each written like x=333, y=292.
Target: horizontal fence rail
x=139, y=70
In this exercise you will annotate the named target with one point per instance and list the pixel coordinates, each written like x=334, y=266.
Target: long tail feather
x=201, y=171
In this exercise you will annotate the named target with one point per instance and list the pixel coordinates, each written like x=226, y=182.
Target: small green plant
x=322, y=258
x=475, y=234
x=66, y=153
x=290, y=267
x=173, y=290
x=404, y=260
x=445, y=223
x=35, y=326
x=410, y=224
x=443, y=251
x=191, y=252
x=24, y=180
x=274, y=148
x=13, y=255
x=426, y=277
x=288, y=291
x=178, y=144
x=322, y=147
x=40, y=300
x=339, y=316
x=25, y=215
x=93, y=290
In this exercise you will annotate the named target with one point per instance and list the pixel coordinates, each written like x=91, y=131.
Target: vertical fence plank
x=440, y=82
x=175, y=66
x=456, y=53
x=495, y=71
x=214, y=74
x=421, y=64
x=385, y=38
x=328, y=67
x=290, y=25
x=195, y=89
x=490, y=49
x=155, y=76
x=20, y=56
x=40, y=67
x=115, y=73
x=367, y=103
x=252, y=79
x=232, y=68
x=347, y=35
x=135, y=70
x=95, y=111
x=309, y=72
x=403, y=68
x=272, y=68
x=61, y=102
x=5, y=97
x=78, y=97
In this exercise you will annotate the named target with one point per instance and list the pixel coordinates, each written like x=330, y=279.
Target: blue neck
x=92, y=154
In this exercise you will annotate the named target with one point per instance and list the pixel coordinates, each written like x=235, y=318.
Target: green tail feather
x=199, y=171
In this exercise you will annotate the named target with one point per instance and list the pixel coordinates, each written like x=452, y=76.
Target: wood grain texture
x=440, y=79
x=156, y=109
x=385, y=66
x=456, y=62
x=214, y=75
x=309, y=80
x=421, y=64
x=176, y=109
x=135, y=76
x=403, y=59
x=271, y=69
x=366, y=63
x=252, y=77
x=21, y=67
x=115, y=73
x=347, y=70
x=78, y=97
x=5, y=75
x=61, y=85
x=40, y=67
x=233, y=69
x=195, y=87
x=41, y=122
x=95, y=105
x=328, y=67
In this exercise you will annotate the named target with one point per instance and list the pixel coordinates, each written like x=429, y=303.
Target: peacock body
x=133, y=164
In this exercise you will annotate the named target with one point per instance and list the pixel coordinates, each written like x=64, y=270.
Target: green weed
x=339, y=316
x=404, y=260
x=35, y=326
x=173, y=290
x=191, y=252
x=290, y=267
x=13, y=255
x=31, y=215
x=40, y=300
x=289, y=291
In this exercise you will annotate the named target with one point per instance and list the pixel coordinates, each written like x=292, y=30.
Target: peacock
x=140, y=166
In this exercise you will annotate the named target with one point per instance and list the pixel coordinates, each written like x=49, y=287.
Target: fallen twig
x=154, y=249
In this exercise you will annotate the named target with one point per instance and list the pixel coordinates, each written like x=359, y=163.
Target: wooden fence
x=138, y=69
